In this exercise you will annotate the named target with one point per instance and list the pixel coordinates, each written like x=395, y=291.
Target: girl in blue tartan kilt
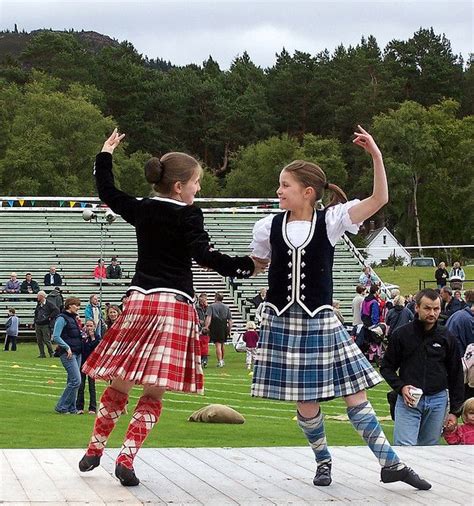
x=304, y=353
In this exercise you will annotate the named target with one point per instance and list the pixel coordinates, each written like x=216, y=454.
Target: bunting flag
x=83, y=204
x=21, y=201
x=72, y=203
x=61, y=203
x=11, y=202
x=94, y=205
x=33, y=203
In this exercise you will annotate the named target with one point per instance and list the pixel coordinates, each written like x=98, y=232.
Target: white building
x=381, y=243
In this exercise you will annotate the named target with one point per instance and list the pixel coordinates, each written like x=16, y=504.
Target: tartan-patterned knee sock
x=112, y=403
x=365, y=422
x=145, y=416
x=313, y=429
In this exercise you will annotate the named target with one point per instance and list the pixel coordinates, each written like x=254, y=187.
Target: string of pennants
x=31, y=203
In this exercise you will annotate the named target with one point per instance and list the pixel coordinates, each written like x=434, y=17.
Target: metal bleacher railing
x=38, y=232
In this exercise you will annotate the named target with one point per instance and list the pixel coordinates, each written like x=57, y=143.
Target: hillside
x=14, y=43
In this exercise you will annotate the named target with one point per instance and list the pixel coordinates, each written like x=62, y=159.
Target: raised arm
x=369, y=206
x=119, y=201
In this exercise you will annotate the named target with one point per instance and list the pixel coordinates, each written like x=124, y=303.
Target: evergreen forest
x=62, y=93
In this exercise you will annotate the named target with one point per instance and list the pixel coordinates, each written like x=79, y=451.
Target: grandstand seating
x=32, y=241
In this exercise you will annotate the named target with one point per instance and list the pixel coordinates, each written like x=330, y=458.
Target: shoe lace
x=323, y=470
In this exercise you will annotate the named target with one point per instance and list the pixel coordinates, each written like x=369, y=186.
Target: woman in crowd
x=67, y=335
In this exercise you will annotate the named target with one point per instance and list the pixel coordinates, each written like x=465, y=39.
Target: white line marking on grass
x=275, y=405
x=173, y=409
x=29, y=375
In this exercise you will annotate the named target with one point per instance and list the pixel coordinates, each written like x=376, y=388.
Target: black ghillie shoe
x=89, y=462
x=126, y=476
x=323, y=475
x=406, y=474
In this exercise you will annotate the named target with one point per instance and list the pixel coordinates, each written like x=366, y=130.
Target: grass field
x=30, y=388
x=407, y=278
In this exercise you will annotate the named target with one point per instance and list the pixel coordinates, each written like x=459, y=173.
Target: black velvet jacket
x=169, y=235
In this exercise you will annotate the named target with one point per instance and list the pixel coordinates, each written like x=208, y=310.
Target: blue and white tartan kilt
x=304, y=358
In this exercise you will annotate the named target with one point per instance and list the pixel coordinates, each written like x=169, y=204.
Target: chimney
x=371, y=226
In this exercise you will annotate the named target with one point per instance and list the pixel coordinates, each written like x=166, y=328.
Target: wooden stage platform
x=245, y=476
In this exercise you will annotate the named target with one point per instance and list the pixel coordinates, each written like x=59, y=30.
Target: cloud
x=189, y=31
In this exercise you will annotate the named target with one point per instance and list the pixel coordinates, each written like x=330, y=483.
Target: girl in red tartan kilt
x=155, y=341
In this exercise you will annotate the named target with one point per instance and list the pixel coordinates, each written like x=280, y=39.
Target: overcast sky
x=189, y=31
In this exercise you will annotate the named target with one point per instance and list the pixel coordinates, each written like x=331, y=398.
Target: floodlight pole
x=102, y=222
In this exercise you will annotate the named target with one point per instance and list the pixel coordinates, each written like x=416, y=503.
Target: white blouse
x=338, y=222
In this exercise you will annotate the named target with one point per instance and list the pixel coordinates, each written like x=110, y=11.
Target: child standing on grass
x=305, y=354
x=462, y=434
x=155, y=341
x=250, y=338
x=90, y=340
x=11, y=328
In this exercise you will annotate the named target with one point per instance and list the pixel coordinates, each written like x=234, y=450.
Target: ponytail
x=338, y=196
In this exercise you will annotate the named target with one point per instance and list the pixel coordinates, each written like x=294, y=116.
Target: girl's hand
x=366, y=141
x=260, y=265
x=69, y=354
x=112, y=142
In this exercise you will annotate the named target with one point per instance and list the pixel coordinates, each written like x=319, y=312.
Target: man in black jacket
x=45, y=312
x=52, y=278
x=424, y=355
x=449, y=304
x=114, y=271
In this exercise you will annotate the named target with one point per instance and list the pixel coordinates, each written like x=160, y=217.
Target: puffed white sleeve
x=338, y=221
x=260, y=244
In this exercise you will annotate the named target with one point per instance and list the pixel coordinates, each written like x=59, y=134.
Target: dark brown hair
x=311, y=175
x=428, y=293
x=469, y=296
x=70, y=301
x=374, y=289
x=164, y=172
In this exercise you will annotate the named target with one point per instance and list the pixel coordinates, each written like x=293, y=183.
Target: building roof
x=372, y=235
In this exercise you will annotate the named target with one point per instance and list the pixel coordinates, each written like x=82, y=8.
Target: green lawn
x=30, y=388
x=408, y=277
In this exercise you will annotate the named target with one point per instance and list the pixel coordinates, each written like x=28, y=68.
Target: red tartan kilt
x=155, y=341
x=204, y=343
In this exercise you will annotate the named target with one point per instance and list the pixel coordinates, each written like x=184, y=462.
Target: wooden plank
x=11, y=487
x=205, y=478
x=101, y=482
x=235, y=476
x=249, y=457
x=232, y=471
x=36, y=483
x=455, y=461
x=448, y=484
x=63, y=474
x=303, y=469
x=370, y=466
x=143, y=493
x=187, y=486
x=351, y=480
